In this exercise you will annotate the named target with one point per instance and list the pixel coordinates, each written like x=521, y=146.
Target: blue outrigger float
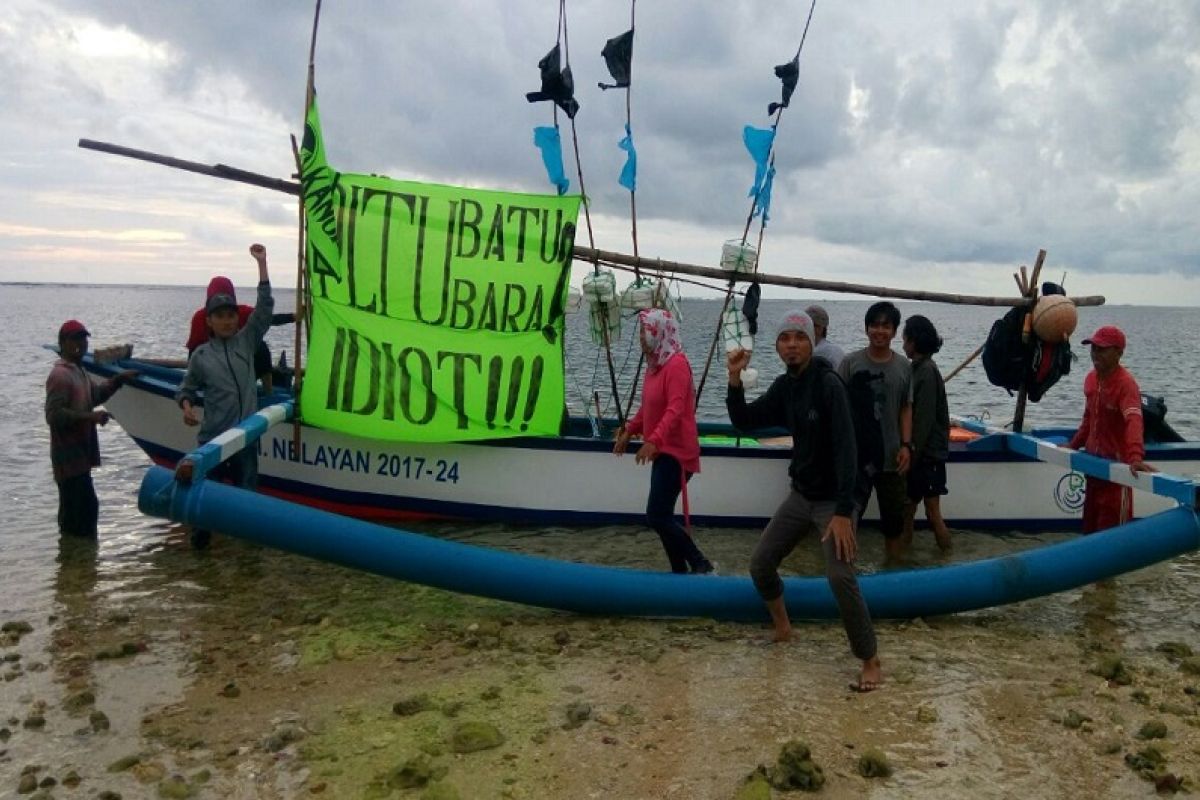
x=185, y=496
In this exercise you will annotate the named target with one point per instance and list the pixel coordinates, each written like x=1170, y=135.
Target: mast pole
x=1026, y=334
x=637, y=373
x=587, y=216
x=301, y=270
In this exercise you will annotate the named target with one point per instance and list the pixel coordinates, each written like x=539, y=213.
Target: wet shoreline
x=218, y=678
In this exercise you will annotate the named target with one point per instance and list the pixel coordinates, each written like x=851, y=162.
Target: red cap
x=220, y=285
x=72, y=327
x=1108, y=336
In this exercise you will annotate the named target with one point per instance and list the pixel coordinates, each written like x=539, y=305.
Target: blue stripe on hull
x=509, y=514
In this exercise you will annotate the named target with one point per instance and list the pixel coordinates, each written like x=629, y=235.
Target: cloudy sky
x=929, y=145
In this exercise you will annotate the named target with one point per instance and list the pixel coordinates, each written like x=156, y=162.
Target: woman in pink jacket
x=667, y=424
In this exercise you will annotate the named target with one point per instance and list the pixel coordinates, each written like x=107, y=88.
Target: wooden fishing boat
x=574, y=479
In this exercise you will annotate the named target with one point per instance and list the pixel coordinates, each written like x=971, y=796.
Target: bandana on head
x=661, y=332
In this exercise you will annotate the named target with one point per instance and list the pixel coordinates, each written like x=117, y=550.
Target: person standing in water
x=71, y=400
x=666, y=421
x=810, y=400
x=1112, y=428
x=879, y=383
x=222, y=369
x=931, y=430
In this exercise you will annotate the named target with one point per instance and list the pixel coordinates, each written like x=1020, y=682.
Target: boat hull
x=577, y=480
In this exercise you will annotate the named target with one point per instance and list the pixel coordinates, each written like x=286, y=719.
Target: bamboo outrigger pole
x=212, y=170
x=611, y=258
x=624, y=261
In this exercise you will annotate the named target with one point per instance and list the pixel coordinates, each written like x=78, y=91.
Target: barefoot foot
x=871, y=677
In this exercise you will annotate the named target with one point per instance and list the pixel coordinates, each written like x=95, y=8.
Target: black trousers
x=78, y=508
x=666, y=483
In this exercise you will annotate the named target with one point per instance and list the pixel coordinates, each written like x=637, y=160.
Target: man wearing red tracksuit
x=1111, y=428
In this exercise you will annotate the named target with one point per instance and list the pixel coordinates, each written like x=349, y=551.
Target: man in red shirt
x=1111, y=428
x=71, y=400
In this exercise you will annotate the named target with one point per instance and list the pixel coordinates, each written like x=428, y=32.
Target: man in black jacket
x=809, y=399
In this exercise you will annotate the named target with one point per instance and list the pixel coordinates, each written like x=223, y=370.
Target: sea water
x=317, y=647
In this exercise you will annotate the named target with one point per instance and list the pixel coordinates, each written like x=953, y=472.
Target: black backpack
x=1006, y=358
x=1009, y=361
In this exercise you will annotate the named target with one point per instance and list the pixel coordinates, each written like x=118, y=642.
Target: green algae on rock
x=874, y=764
x=578, y=712
x=1154, y=729
x=1149, y=762
x=1112, y=668
x=1174, y=650
x=1074, y=720
x=124, y=763
x=440, y=790
x=117, y=651
x=795, y=769
x=472, y=736
x=412, y=774
x=75, y=703
x=175, y=788
x=754, y=787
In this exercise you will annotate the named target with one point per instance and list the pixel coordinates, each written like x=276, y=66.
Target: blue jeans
x=666, y=483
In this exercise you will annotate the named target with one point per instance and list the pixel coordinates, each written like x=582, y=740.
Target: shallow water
x=679, y=709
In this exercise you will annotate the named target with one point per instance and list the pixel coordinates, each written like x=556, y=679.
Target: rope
x=749, y=221
x=587, y=214
x=629, y=126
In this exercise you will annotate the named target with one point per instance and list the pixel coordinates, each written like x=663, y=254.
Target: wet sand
x=243, y=672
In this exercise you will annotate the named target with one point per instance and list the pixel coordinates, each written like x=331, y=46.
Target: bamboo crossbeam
x=623, y=261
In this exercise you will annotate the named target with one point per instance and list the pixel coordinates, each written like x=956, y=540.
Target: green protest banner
x=438, y=311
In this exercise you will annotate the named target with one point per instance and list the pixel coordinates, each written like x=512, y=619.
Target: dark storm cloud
x=944, y=132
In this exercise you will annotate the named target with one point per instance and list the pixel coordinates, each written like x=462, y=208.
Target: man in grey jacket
x=223, y=369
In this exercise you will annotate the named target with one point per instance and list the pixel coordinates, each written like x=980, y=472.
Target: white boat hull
x=577, y=480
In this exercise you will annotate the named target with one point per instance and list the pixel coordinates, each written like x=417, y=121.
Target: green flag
x=319, y=184
x=438, y=311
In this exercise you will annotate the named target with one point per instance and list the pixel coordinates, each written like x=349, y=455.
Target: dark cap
x=818, y=315
x=72, y=328
x=218, y=301
x=1108, y=336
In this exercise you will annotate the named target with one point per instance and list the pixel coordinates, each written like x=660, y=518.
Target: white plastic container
x=601, y=316
x=640, y=295
x=735, y=330
x=600, y=287
x=738, y=257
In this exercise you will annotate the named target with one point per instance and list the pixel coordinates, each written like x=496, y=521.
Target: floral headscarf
x=661, y=332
